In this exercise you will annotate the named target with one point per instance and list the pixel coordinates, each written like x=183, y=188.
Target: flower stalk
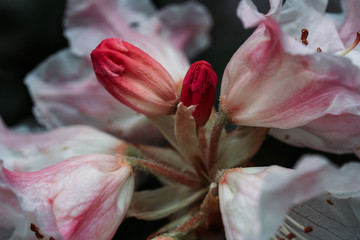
x=222, y=119
x=185, y=228
x=162, y=170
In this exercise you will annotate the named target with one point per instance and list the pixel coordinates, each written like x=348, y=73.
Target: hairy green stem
x=162, y=170
x=222, y=119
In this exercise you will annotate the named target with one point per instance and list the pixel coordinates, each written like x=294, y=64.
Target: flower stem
x=162, y=170
x=222, y=119
x=185, y=228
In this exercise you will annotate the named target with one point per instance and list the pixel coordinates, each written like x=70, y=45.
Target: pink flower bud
x=199, y=89
x=134, y=78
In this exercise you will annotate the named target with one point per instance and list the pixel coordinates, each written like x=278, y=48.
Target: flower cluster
x=297, y=82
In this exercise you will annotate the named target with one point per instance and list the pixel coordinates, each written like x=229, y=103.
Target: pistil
x=352, y=46
x=221, y=120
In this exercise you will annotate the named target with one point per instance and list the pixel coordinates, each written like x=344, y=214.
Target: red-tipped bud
x=199, y=89
x=134, y=78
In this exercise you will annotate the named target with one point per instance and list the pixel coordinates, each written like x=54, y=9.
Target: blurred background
x=31, y=31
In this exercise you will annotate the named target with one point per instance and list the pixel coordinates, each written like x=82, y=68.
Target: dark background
x=30, y=31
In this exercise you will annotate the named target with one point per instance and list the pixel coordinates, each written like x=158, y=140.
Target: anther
x=291, y=236
x=319, y=50
x=39, y=235
x=306, y=229
x=304, y=35
x=352, y=46
x=34, y=228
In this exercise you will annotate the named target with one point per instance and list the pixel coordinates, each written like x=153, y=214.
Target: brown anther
x=308, y=229
x=318, y=50
x=329, y=202
x=34, y=228
x=290, y=236
x=304, y=35
x=52, y=238
x=39, y=235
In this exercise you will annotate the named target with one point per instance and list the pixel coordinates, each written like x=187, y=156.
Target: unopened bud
x=134, y=78
x=199, y=89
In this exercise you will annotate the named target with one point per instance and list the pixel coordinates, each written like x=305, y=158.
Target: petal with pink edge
x=27, y=152
x=83, y=197
x=255, y=79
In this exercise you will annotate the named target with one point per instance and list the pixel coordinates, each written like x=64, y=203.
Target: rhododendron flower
x=84, y=197
x=64, y=88
x=27, y=152
x=134, y=78
x=279, y=79
x=255, y=202
x=198, y=89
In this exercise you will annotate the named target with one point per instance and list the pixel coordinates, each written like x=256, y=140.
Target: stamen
x=298, y=225
x=352, y=46
x=319, y=50
x=288, y=232
x=304, y=35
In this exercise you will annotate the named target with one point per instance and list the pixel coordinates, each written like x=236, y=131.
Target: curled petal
x=253, y=84
x=134, y=78
x=83, y=197
x=335, y=134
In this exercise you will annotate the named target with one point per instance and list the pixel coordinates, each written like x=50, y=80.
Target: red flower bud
x=199, y=89
x=134, y=78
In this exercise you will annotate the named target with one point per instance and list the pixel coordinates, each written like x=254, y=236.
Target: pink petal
x=83, y=197
x=66, y=92
x=32, y=152
x=253, y=204
x=240, y=195
x=335, y=134
x=255, y=80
